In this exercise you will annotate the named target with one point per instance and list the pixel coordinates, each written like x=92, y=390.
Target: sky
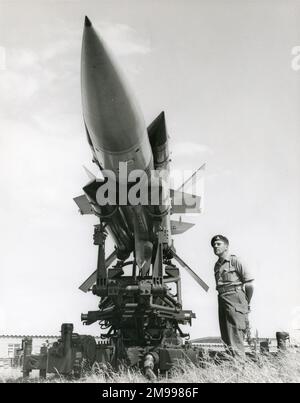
x=222, y=72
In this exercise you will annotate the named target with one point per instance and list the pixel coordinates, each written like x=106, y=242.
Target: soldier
x=235, y=287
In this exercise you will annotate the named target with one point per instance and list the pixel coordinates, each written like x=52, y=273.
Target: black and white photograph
x=150, y=210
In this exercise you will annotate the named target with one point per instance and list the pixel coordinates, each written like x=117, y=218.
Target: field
x=284, y=368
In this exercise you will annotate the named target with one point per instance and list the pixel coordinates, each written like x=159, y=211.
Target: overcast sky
x=221, y=71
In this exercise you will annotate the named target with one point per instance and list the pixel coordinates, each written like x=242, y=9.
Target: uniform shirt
x=229, y=271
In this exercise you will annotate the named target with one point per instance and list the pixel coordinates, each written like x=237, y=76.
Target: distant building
x=10, y=344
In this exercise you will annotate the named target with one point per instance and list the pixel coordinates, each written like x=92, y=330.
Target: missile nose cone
x=111, y=113
x=87, y=22
x=114, y=122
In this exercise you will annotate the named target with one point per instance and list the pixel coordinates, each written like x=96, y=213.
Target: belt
x=228, y=288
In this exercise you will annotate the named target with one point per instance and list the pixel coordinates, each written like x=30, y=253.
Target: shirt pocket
x=230, y=276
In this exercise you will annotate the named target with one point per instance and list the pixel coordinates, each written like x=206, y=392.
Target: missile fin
x=191, y=272
x=183, y=202
x=179, y=227
x=87, y=284
x=83, y=204
x=196, y=176
x=89, y=173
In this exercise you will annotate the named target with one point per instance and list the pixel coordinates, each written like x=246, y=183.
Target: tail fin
x=179, y=227
x=191, y=272
x=185, y=202
x=87, y=284
x=89, y=173
x=83, y=204
x=192, y=178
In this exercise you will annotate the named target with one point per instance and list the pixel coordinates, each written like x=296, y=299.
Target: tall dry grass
x=282, y=368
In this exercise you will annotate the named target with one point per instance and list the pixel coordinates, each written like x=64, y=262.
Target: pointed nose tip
x=87, y=22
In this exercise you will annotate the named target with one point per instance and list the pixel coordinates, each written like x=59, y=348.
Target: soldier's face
x=220, y=247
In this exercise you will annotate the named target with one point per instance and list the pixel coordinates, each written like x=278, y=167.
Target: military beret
x=219, y=238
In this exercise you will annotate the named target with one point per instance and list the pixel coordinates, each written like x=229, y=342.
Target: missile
x=114, y=123
x=117, y=133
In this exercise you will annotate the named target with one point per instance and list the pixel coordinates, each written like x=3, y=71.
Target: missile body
x=117, y=134
x=115, y=125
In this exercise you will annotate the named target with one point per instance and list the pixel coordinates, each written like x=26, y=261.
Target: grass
x=283, y=368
